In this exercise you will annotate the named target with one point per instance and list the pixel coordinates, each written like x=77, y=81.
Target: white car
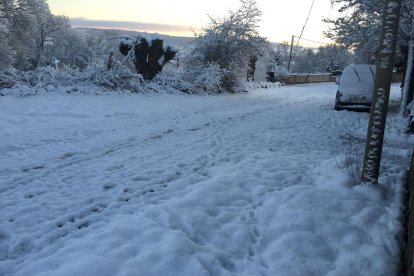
x=355, y=87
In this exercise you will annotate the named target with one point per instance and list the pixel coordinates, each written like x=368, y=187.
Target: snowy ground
x=247, y=184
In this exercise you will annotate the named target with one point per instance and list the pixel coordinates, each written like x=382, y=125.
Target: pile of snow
x=156, y=184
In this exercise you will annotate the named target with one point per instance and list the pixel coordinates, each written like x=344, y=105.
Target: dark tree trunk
x=141, y=55
x=251, y=68
x=149, y=59
x=155, y=63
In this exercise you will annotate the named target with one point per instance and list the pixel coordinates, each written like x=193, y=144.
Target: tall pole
x=290, y=53
x=381, y=93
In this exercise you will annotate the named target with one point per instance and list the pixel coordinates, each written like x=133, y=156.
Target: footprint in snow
x=33, y=168
x=158, y=136
x=108, y=186
x=115, y=167
x=67, y=155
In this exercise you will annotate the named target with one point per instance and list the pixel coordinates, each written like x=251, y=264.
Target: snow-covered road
x=195, y=185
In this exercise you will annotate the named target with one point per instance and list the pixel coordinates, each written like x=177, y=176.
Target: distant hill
x=178, y=42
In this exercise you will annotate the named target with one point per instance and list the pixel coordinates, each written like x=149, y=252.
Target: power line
x=306, y=22
x=324, y=43
x=297, y=44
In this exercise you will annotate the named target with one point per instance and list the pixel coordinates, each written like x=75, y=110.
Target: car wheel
x=337, y=106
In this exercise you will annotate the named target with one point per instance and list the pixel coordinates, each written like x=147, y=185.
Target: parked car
x=336, y=73
x=355, y=87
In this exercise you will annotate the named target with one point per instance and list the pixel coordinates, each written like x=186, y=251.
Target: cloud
x=129, y=25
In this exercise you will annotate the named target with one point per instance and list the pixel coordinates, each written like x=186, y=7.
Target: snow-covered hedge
x=120, y=78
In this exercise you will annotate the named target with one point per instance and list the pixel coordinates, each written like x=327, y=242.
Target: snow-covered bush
x=169, y=81
x=263, y=84
x=120, y=78
x=209, y=78
x=277, y=73
x=10, y=78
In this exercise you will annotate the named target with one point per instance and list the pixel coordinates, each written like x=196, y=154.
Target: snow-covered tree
x=407, y=33
x=305, y=61
x=230, y=42
x=19, y=27
x=358, y=27
x=99, y=45
x=45, y=26
x=6, y=52
x=70, y=47
x=283, y=49
x=359, y=24
x=49, y=27
x=333, y=57
x=31, y=27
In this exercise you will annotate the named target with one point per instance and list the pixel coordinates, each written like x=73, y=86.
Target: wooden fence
x=326, y=77
x=309, y=78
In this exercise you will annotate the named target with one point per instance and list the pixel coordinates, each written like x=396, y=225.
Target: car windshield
x=357, y=80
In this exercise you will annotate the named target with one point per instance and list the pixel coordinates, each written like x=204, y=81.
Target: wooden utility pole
x=381, y=93
x=290, y=53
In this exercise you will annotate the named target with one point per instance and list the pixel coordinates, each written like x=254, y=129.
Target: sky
x=280, y=19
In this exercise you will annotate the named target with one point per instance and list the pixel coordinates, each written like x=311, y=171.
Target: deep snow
x=250, y=184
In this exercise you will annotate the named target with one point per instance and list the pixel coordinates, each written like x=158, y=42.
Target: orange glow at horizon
x=280, y=19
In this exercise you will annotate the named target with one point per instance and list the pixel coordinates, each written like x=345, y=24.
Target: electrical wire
x=314, y=41
x=306, y=22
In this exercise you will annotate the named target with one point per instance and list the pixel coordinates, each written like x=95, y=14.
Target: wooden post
x=381, y=93
x=110, y=60
x=290, y=53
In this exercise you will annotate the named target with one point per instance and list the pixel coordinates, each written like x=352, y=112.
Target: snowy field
x=249, y=184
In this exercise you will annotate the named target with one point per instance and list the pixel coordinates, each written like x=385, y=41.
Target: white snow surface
x=248, y=184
